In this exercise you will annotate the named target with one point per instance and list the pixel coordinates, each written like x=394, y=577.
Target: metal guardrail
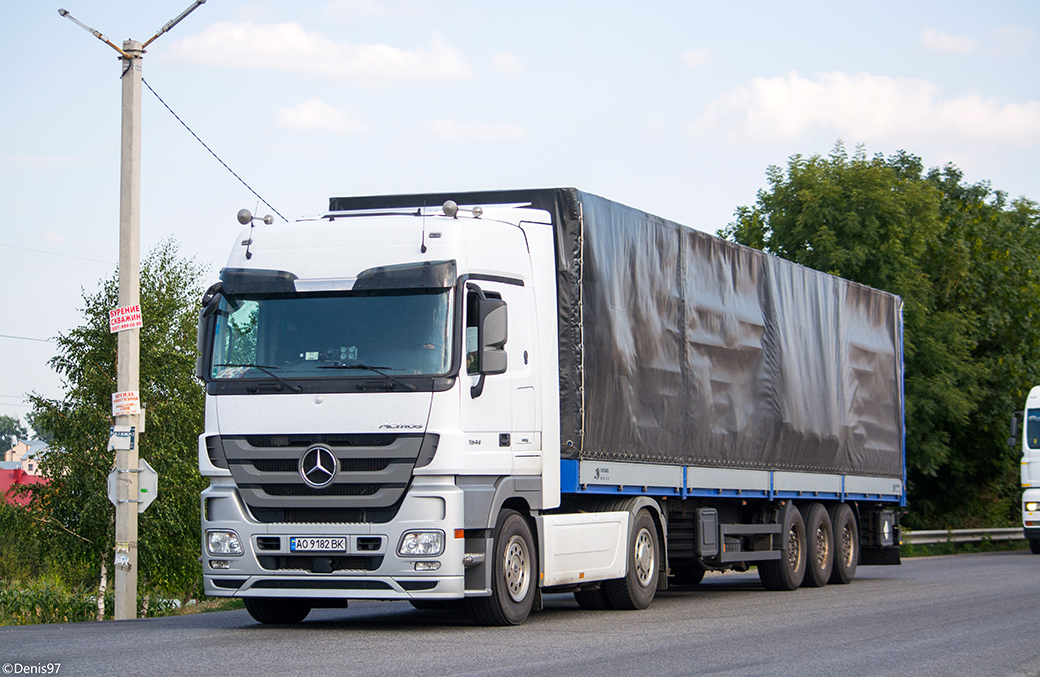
x=923, y=537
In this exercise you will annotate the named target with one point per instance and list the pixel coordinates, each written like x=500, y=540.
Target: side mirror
x=492, y=334
x=1016, y=430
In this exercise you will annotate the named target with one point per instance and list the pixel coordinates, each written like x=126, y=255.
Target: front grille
x=300, y=563
x=311, y=584
x=345, y=465
x=374, y=471
x=333, y=490
x=323, y=515
x=229, y=583
x=332, y=440
x=413, y=586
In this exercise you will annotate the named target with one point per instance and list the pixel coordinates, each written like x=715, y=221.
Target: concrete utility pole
x=129, y=340
x=128, y=353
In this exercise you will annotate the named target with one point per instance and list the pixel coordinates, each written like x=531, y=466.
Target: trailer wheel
x=846, y=544
x=513, y=575
x=636, y=590
x=787, y=572
x=593, y=600
x=277, y=611
x=819, y=537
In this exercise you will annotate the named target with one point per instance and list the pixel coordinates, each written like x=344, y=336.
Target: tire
x=819, y=551
x=514, y=575
x=1034, y=546
x=593, y=600
x=277, y=611
x=636, y=590
x=846, y=544
x=787, y=572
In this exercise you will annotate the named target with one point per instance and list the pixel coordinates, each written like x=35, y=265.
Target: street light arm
x=96, y=34
x=173, y=23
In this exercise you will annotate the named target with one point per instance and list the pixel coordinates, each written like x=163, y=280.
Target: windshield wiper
x=368, y=367
x=266, y=370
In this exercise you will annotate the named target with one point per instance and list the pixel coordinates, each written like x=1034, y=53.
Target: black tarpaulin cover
x=680, y=347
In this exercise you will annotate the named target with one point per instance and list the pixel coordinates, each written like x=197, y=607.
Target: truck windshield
x=398, y=332
x=1033, y=428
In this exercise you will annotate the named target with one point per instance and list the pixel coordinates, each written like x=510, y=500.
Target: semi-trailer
x=483, y=397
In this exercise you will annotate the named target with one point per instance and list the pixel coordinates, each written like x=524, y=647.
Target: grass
x=49, y=600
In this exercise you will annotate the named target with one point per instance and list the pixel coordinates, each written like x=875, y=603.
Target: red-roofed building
x=19, y=467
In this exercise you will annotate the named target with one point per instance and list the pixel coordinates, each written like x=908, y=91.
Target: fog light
x=219, y=564
x=427, y=566
x=421, y=544
x=223, y=543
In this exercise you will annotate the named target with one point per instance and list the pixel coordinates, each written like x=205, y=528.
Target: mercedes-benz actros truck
x=1025, y=435
x=478, y=398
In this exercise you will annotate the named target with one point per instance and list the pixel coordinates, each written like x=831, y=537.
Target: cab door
x=498, y=391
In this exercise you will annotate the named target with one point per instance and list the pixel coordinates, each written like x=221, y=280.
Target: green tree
x=965, y=263
x=72, y=509
x=11, y=430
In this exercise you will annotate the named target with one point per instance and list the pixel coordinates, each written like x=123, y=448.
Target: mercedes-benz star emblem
x=318, y=467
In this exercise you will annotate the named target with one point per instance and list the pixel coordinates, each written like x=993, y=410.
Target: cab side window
x=472, y=318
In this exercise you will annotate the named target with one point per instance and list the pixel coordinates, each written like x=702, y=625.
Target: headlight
x=1031, y=506
x=223, y=543
x=421, y=544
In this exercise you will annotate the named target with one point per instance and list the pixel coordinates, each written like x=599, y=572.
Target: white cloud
x=1009, y=41
x=288, y=47
x=697, y=57
x=449, y=130
x=865, y=108
x=507, y=64
x=936, y=41
x=316, y=115
x=54, y=238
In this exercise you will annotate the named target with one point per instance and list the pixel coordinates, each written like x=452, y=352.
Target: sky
x=677, y=108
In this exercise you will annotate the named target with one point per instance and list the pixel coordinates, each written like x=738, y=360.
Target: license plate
x=317, y=544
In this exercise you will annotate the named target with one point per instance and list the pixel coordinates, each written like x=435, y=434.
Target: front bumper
x=370, y=568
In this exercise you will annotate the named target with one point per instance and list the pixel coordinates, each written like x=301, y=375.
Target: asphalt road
x=963, y=615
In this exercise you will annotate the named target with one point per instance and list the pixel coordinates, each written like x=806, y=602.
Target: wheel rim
x=847, y=548
x=794, y=549
x=517, y=567
x=644, y=558
x=823, y=547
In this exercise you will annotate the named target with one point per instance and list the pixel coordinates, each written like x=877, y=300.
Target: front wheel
x=513, y=575
x=1034, y=546
x=636, y=590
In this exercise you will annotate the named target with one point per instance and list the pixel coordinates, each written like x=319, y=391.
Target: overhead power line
x=211, y=151
x=26, y=338
x=68, y=256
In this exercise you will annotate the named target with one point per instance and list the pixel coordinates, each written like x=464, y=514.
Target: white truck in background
x=1025, y=434
x=482, y=397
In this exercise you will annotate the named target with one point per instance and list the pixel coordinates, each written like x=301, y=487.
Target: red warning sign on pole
x=127, y=317
x=126, y=404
